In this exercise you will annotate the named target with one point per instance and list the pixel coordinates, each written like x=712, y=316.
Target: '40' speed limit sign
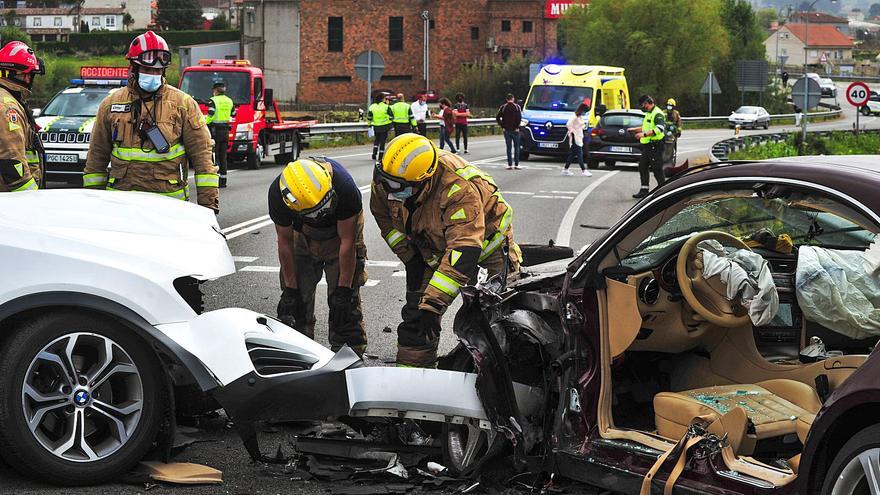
x=857, y=94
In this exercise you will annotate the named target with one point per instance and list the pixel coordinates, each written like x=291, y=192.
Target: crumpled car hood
x=119, y=228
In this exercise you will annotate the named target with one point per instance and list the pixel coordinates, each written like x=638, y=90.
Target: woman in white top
x=576, y=126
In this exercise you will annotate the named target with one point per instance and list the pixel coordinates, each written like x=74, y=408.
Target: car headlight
x=244, y=135
x=523, y=123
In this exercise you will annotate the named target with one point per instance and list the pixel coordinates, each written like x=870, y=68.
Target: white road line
x=261, y=269
x=364, y=189
x=563, y=235
x=368, y=153
x=244, y=259
x=523, y=193
x=551, y=197
x=244, y=224
x=399, y=274
x=371, y=283
x=560, y=192
x=248, y=229
x=383, y=264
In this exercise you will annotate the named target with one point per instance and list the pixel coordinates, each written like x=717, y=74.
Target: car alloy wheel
x=466, y=446
x=861, y=475
x=82, y=397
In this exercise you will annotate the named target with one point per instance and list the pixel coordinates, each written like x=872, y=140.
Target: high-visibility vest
x=400, y=110
x=379, y=114
x=648, y=125
x=223, y=106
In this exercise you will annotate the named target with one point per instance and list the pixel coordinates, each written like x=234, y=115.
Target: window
x=200, y=84
x=18, y=21
x=505, y=54
x=431, y=24
x=96, y=21
x=334, y=79
x=475, y=33
x=525, y=53
x=395, y=34
x=57, y=22
x=505, y=26
x=527, y=26
x=110, y=21
x=557, y=98
x=814, y=53
x=396, y=78
x=334, y=34
x=38, y=21
x=258, y=88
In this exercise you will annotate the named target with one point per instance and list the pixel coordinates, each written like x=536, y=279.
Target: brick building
x=308, y=47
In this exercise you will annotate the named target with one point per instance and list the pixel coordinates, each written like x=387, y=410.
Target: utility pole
x=426, y=58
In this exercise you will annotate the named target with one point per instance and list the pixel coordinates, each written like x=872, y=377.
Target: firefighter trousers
x=220, y=133
x=413, y=347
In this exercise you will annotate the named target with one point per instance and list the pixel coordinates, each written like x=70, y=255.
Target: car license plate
x=52, y=158
x=621, y=149
x=548, y=145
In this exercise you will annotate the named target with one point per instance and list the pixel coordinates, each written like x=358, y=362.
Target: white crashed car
x=102, y=333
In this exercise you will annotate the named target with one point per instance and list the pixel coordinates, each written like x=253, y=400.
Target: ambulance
x=556, y=93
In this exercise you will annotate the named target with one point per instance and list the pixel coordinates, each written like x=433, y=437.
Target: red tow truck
x=253, y=134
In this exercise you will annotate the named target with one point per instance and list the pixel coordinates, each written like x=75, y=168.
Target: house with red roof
x=822, y=44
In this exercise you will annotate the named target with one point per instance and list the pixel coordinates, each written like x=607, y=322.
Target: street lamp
x=426, y=16
x=806, y=52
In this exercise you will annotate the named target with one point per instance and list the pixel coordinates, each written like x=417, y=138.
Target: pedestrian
x=576, y=127
x=447, y=123
x=444, y=218
x=673, y=118
x=650, y=134
x=798, y=116
x=221, y=110
x=402, y=116
x=150, y=132
x=319, y=220
x=509, y=118
x=420, y=113
x=21, y=165
x=461, y=112
x=379, y=120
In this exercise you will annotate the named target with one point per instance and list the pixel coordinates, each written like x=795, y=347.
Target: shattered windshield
x=808, y=221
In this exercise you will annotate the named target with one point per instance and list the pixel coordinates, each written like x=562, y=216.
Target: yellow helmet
x=307, y=188
x=408, y=158
x=671, y=101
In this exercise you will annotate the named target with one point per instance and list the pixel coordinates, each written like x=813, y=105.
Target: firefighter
x=402, y=116
x=379, y=119
x=673, y=118
x=650, y=134
x=21, y=166
x=318, y=214
x=149, y=132
x=443, y=218
x=221, y=110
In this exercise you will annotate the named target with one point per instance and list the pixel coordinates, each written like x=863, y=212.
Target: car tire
x=252, y=161
x=121, y=403
x=523, y=155
x=592, y=164
x=766, y=125
x=846, y=474
x=610, y=163
x=866, y=111
x=283, y=158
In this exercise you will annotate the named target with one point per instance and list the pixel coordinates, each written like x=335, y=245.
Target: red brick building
x=331, y=33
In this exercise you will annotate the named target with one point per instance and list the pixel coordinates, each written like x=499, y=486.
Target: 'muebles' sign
x=553, y=9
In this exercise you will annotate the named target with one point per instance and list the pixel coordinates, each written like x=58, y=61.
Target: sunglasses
x=155, y=58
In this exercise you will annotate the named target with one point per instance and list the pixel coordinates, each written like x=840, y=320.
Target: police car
x=66, y=121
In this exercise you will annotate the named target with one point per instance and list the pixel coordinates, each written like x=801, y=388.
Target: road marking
x=249, y=229
x=541, y=196
x=261, y=269
x=563, y=235
x=524, y=193
x=244, y=259
x=244, y=224
x=364, y=189
x=370, y=283
x=399, y=274
x=383, y=264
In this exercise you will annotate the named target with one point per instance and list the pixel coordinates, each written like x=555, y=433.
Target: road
x=570, y=210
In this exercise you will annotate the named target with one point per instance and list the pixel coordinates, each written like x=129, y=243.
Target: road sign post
x=858, y=94
x=808, y=92
x=369, y=65
x=710, y=87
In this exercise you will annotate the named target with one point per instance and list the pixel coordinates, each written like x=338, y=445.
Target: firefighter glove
x=430, y=324
x=415, y=272
x=342, y=305
x=291, y=307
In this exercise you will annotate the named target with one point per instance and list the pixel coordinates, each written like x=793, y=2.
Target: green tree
x=663, y=58
x=127, y=21
x=485, y=82
x=12, y=33
x=766, y=17
x=43, y=4
x=220, y=23
x=179, y=14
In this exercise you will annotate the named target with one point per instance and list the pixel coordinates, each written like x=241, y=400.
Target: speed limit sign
x=857, y=94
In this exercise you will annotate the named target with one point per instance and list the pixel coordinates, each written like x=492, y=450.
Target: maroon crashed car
x=719, y=338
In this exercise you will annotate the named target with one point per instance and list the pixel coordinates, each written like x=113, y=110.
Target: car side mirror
x=601, y=109
x=36, y=112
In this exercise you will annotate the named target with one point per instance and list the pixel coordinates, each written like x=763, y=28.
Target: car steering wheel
x=708, y=297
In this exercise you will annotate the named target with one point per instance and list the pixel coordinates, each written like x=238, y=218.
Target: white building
x=138, y=9
x=56, y=24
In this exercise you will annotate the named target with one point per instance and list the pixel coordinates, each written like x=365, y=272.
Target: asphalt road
x=570, y=210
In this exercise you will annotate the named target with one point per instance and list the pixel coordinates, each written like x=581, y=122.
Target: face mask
x=403, y=195
x=149, y=82
x=669, y=107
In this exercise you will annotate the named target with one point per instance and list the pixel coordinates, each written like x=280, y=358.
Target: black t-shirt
x=348, y=203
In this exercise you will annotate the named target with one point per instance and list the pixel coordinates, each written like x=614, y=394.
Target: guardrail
x=722, y=149
x=356, y=127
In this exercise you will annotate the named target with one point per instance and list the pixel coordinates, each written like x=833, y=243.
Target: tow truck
x=66, y=121
x=253, y=133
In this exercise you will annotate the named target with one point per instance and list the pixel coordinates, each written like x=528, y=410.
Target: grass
x=839, y=143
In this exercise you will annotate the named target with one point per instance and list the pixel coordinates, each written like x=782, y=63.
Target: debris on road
x=180, y=473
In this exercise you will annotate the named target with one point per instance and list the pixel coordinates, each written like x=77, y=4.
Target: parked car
x=873, y=105
x=611, y=143
x=431, y=96
x=749, y=116
x=829, y=89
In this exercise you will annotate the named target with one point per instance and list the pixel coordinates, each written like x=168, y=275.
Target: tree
x=43, y=4
x=766, y=18
x=664, y=59
x=874, y=10
x=127, y=21
x=84, y=27
x=179, y=14
x=220, y=23
x=12, y=33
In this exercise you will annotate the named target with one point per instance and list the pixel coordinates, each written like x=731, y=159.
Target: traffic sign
x=823, y=59
x=858, y=94
x=369, y=65
x=813, y=93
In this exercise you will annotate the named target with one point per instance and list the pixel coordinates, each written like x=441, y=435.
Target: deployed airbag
x=835, y=291
x=747, y=277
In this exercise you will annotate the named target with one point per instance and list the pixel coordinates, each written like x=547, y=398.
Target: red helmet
x=149, y=50
x=18, y=58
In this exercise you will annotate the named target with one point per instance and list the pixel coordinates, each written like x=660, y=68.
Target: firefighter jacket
x=119, y=138
x=458, y=220
x=20, y=148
